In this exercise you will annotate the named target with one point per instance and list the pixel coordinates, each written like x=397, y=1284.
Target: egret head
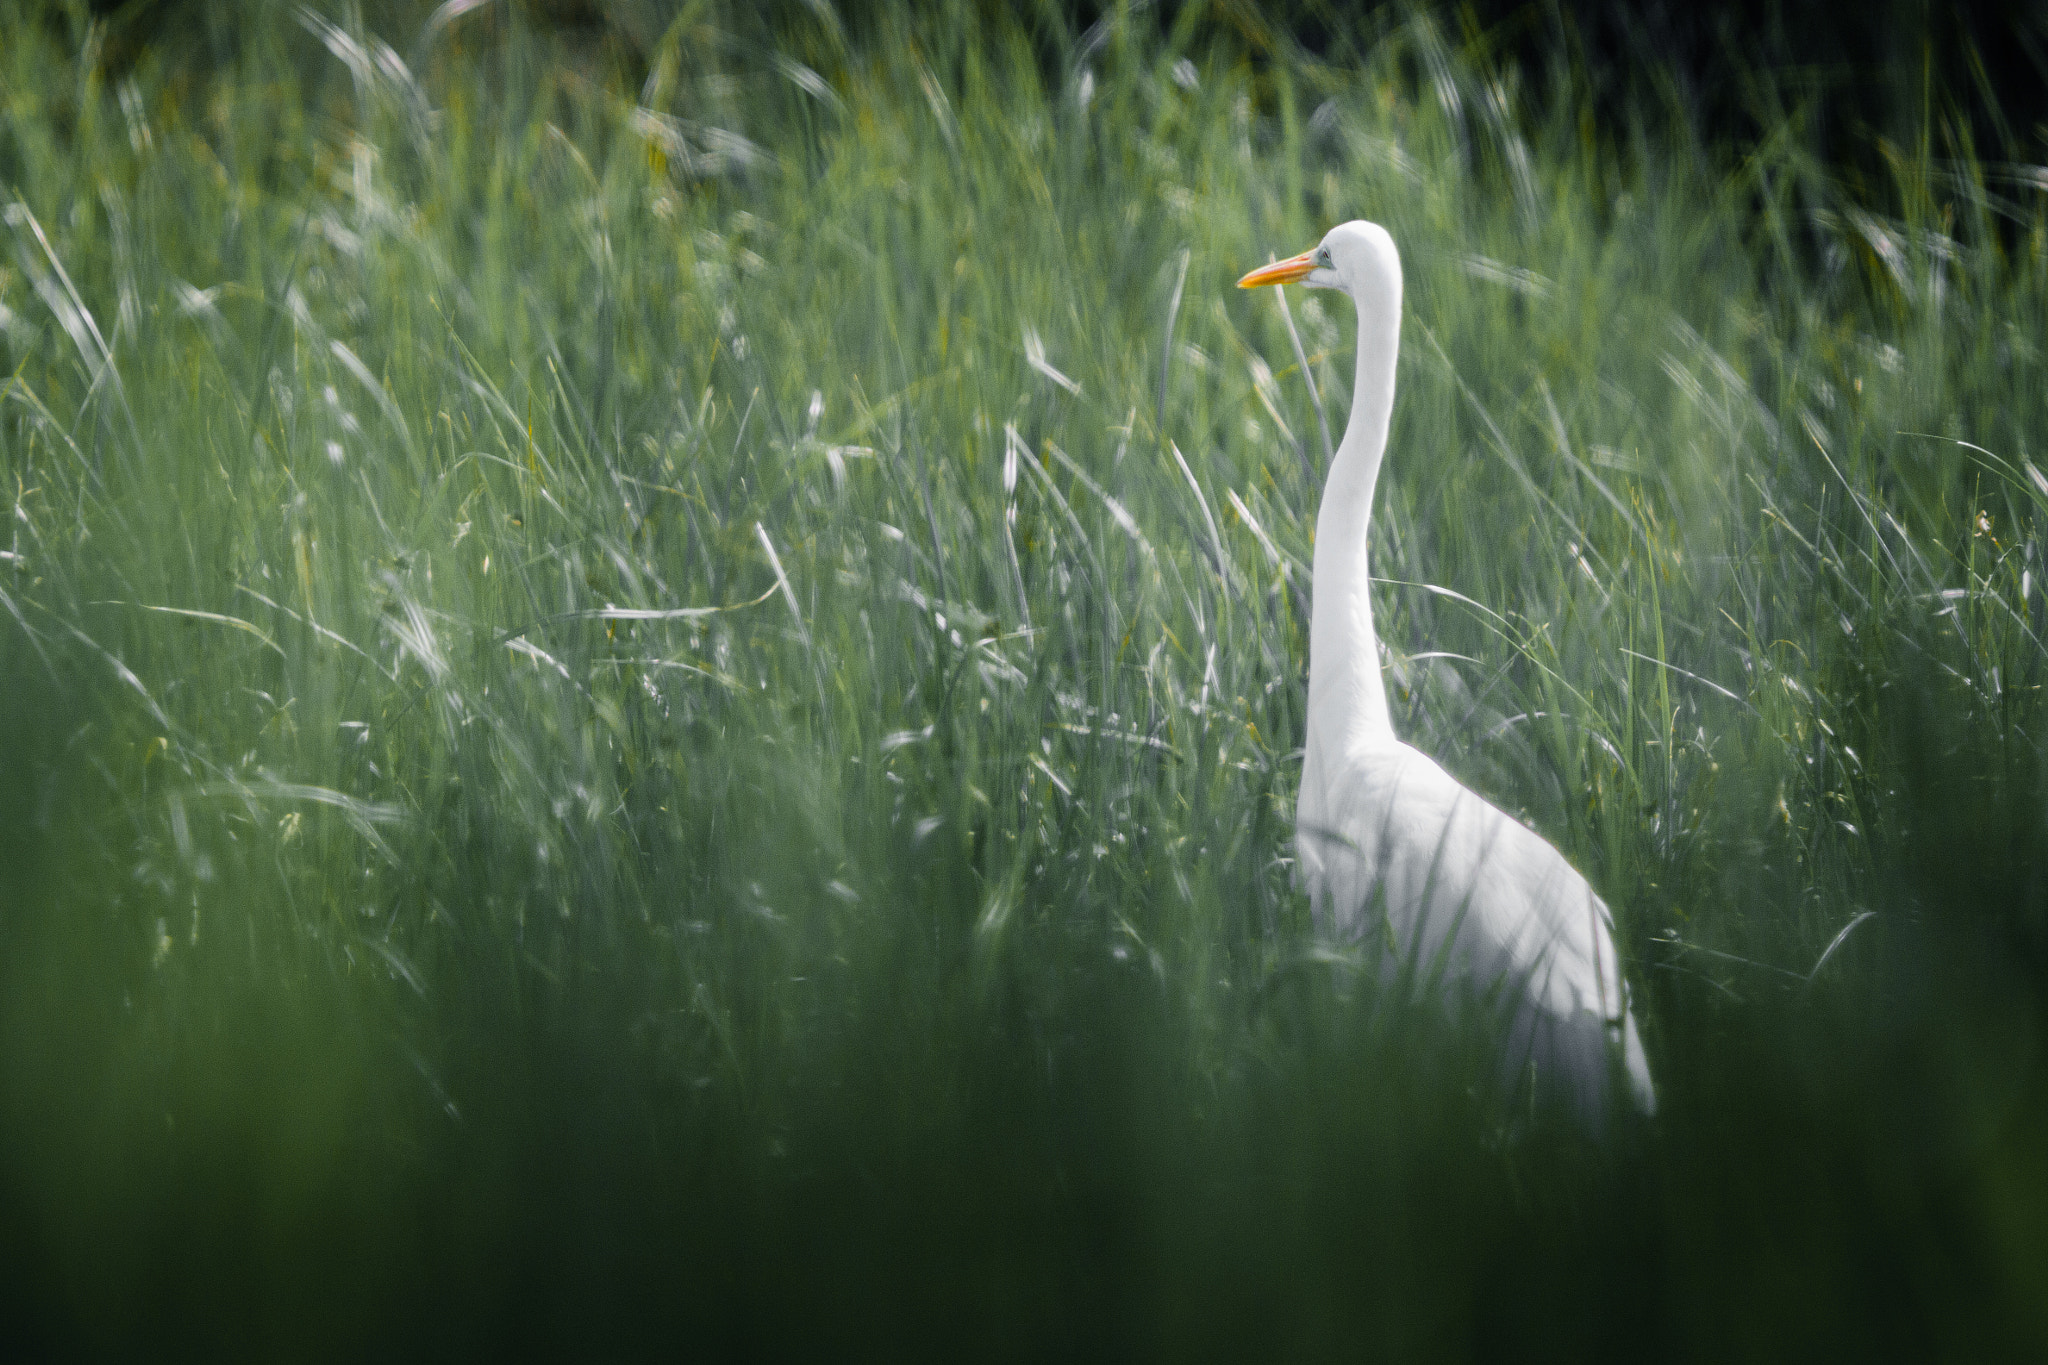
x=1357, y=257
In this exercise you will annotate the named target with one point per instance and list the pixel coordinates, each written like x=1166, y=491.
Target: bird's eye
x=1323, y=258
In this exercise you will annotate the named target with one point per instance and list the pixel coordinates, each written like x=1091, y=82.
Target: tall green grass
x=661, y=707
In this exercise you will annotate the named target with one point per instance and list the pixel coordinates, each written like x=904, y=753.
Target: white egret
x=1387, y=841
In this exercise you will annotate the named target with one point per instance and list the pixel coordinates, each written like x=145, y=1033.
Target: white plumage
x=1387, y=841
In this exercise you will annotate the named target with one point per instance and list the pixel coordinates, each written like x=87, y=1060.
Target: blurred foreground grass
x=663, y=713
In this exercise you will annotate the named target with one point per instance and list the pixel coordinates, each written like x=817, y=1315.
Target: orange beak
x=1280, y=272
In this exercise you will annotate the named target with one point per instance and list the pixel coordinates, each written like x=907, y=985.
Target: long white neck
x=1347, y=701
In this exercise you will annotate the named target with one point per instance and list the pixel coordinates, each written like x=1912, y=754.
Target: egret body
x=1386, y=840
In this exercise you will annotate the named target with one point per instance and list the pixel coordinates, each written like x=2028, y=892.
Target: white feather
x=1389, y=843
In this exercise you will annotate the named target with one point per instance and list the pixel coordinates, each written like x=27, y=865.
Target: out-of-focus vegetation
x=655, y=703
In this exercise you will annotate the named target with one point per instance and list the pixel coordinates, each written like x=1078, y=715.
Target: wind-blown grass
x=675, y=705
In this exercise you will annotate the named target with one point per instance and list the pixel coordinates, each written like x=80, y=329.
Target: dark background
x=1858, y=71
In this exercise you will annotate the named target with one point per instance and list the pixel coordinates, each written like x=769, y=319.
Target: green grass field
x=657, y=706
